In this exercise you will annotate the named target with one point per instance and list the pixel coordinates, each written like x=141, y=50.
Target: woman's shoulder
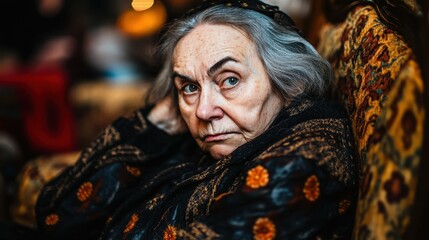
x=308, y=109
x=318, y=138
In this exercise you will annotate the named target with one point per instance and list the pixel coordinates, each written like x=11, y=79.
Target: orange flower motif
x=311, y=188
x=264, y=229
x=52, y=219
x=84, y=191
x=257, y=177
x=131, y=224
x=343, y=206
x=170, y=233
x=134, y=171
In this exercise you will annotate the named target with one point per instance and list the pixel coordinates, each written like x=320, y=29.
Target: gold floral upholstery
x=377, y=78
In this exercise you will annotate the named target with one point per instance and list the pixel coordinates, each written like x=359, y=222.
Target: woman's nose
x=208, y=108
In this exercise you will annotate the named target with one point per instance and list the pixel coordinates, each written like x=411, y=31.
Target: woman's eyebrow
x=219, y=64
x=210, y=72
x=178, y=75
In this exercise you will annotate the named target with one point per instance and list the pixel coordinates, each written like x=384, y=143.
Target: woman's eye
x=190, y=88
x=230, y=82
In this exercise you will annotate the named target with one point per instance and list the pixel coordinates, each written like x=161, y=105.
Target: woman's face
x=225, y=94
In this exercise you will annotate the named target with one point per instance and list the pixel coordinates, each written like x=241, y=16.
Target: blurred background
x=68, y=68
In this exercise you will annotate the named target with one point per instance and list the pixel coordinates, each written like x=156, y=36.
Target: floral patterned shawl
x=295, y=181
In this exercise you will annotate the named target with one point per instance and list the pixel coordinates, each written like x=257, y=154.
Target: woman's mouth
x=216, y=137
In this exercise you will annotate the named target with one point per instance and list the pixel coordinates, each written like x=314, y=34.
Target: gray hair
x=293, y=65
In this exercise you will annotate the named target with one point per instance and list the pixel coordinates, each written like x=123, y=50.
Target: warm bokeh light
x=140, y=24
x=180, y=4
x=141, y=5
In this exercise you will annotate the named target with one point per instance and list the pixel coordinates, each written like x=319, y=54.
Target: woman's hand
x=165, y=117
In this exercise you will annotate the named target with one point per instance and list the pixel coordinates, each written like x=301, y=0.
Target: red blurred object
x=44, y=115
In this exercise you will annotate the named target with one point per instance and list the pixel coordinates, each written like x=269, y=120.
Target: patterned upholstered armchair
x=378, y=77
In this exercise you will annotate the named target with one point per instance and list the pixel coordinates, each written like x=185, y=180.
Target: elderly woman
x=238, y=143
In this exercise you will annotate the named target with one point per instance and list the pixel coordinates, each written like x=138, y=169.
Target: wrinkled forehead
x=209, y=42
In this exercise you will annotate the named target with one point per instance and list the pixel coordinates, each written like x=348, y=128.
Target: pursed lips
x=216, y=137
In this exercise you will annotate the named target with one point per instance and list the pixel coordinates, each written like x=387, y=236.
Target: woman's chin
x=220, y=151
